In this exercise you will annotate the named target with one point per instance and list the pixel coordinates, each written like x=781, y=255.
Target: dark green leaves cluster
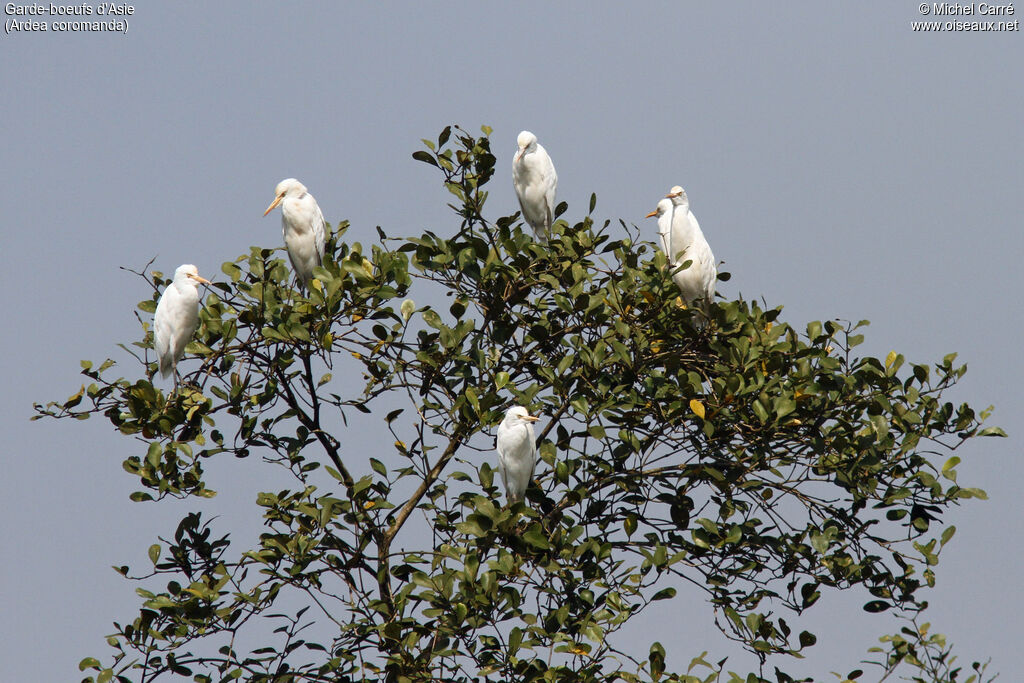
x=726, y=457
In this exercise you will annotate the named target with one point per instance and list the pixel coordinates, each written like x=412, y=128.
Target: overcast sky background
x=839, y=163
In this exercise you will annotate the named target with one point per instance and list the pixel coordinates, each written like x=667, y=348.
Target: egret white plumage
x=535, y=181
x=682, y=240
x=517, y=452
x=302, y=224
x=176, y=318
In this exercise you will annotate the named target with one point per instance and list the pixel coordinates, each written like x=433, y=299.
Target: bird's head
x=525, y=141
x=289, y=187
x=664, y=206
x=678, y=196
x=517, y=414
x=189, y=272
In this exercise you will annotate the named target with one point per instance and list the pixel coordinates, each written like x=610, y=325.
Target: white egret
x=517, y=452
x=176, y=319
x=302, y=224
x=535, y=180
x=682, y=240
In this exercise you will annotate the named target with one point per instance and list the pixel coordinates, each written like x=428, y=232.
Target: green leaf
x=880, y=425
x=473, y=399
x=535, y=536
x=408, y=307
x=154, y=553
x=472, y=527
x=630, y=524
x=433, y=319
x=75, y=399
x=153, y=454
x=425, y=157
x=664, y=594
x=877, y=606
x=89, y=663
x=231, y=270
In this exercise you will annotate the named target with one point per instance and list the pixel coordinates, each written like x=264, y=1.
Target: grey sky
x=839, y=163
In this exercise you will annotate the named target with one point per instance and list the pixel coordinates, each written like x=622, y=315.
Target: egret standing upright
x=302, y=224
x=176, y=318
x=517, y=452
x=682, y=240
x=535, y=181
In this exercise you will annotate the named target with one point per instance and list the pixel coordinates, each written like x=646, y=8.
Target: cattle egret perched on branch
x=176, y=319
x=682, y=240
x=535, y=180
x=517, y=452
x=303, y=226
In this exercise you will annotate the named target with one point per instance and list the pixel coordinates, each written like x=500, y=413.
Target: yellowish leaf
x=697, y=407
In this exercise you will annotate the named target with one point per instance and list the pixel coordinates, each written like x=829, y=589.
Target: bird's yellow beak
x=652, y=214
x=199, y=278
x=530, y=418
x=519, y=155
x=672, y=195
x=277, y=200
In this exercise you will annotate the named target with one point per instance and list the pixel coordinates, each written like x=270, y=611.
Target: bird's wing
x=519, y=185
x=665, y=235
x=501, y=445
x=163, y=329
x=506, y=482
x=550, y=188
x=710, y=269
x=685, y=229
x=533, y=454
x=319, y=234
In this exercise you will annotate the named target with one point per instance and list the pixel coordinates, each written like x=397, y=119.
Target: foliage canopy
x=735, y=456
